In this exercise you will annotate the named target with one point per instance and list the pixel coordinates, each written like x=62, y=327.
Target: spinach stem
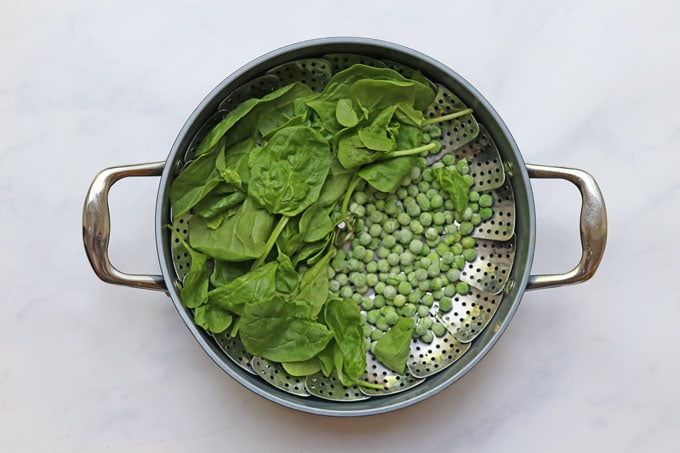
x=234, y=329
x=271, y=241
x=412, y=151
x=370, y=385
x=348, y=196
x=448, y=117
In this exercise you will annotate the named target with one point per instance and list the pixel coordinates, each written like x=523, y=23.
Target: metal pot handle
x=593, y=226
x=97, y=226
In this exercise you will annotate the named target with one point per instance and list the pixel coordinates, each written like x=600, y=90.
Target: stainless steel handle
x=593, y=226
x=97, y=226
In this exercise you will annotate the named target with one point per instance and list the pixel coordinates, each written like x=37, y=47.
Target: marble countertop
x=87, y=366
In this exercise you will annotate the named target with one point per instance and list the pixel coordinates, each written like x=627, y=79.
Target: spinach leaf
x=345, y=114
x=216, y=320
x=304, y=368
x=313, y=287
x=195, y=181
x=223, y=126
x=349, y=356
x=226, y=271
x=290, y=239
x=282, y=330
x=286, y=275
x=258, y=285
x=317, y=222
x=194, y=290
x=455, y=185
x=387, y=175
x=392, y=349
x=236, y=158
x=288, y=172
x=218, y=201
x=240, y=237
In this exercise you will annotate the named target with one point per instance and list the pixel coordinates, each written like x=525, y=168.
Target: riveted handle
x=593, y=226
x=97, y=226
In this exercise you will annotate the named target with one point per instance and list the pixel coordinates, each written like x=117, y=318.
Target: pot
x=593, y=223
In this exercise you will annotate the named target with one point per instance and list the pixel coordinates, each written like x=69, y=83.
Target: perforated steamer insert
x=504, y=243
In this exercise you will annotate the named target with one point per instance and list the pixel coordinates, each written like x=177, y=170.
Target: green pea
x=372, y=316
x=453, y=275
x=469, y=180
x=402, y=193
x=383, y=265
x=425, y=219
x=372, y=280
x=486, y=213
x=466, y=228
x=414, y=296
x=346, y=292
x=409, y=310
x=375, y=230
x=423, y=311
x=459, y=262
x=427, y=300
x=437, y=202
x=436, y=284
x=404, y=288
x=476, y=219
x=342, y=279
x=390, y=226
x=365, y=238
x=412, y=189
x=438, y=294
x=467, y=214
x=392, y=318
x=378, y=301
x=435, y=131
x=427, y=175
x=421, y=274
x=448, y=160
x=370, y=210
x=470, y=255
x=445, y=305
x=403, y=218
x=416, y=227
x=424, y=285
x=399, y=300
x=377, y=334
x=438, y=329
x=372, y=267
x=406, y=258
x=379, y=204
x=462, y=288
x=450, y=290
x=366, y=303
x=439, y=218
x=333, y=286
x=381, y=324
x=485, y=201
x=389, y=292
x=415, y=173
x=359, y=252
x=423, y=186
x=419, y=330
x=473, y=196
x=359, y=279
x=360, y=197
x=413, y=210
x=467, y=242
x=431, y=234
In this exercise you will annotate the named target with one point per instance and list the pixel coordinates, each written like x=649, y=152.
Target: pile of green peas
x=407, y=251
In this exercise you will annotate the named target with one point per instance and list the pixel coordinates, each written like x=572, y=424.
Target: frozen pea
x=432, y=192
x=423, y=186
x=359, y=279
x=378, y=301
x=444, y=267
x=370, y=210
x=406, y=182
x=470, y=255
x=466, y=228
x=379, y=204
x=372, y=280
x=399, y=300
x=412, y=189
x=376, y=217
x=403, y=218
x=476, y=219
x=346, y=292
x=375, y=230
x=457, y=249
x=372, y=316
x=365, y=238
x=404, y=288
x=366, y=303
x=409, y=310
x=431, y=234
x=439, y=218
x=437, y=202
x=427, y=300
x=424, y=285
x=416, y=246
x=419, y=330
x=474, y=207
x=389, y=241
x=367, y=329
x=379, y=287
x=441, y=248
x=427, y=337
x=372, y=267
x=447, y=257
x=436, y=284
x=424, y=262
x=377, y=334
x=360, y=197
x=356, y=298
x=389, y=292
x=448, y=204
x=453, y=275
x=406, y=258
x=413, y=210
x=416, y=227
x=414, y=296
x=473, y=196
x=448, y=160
x=433, y=270
x=425, y=219
x=435, y=131
x=438, y=294
x=333, y=286
x=445, y=304
x=469, y=180
x=467, y=242
x=402, y=193
x=415, y=173
x=342, y=279
x=393, y=259
x=368, y=257
x=423, y=311
x=398, y=249
x=405, y=236
x=383, y=265
x=359, y=252
x=331, y=272
x=450, y=290
x=381, y=324
x=467, y=214
x=372, y=346
x=427, y=322
x=421, y=274
x=395, y=269
x=353, y=264
x=459, y=262
x=462, y=288
x=485, y=213
x=392, y=318
x=438, y=329
x=485, y=201
x=390, y=226
x=427, y=175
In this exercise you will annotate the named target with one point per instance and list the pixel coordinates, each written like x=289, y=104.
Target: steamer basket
x=498, y=279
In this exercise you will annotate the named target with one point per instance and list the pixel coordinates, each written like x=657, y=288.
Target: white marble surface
x=86, y=366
